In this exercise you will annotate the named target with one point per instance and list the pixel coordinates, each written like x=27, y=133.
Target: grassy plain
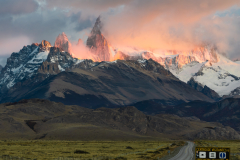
x=234, y=146
x=40, y=149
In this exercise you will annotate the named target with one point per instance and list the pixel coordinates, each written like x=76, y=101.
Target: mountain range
x=176, y=88
x=197, y=68
x=43, y=119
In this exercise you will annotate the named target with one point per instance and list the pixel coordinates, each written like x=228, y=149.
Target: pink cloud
x=168, y=24
x=81, y=51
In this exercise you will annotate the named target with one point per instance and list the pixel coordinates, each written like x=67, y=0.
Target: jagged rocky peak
x=85, y=64
x=21, y=57
x=152, y=65
x=205, y=52
x=44, y=45
x=96, y=32
x=98, y=44
x=204, y=89
x=97, y=27
x=23, y=64
x=57, y=54
x=173, y=59
x=178, y=61
x=63, y=43
x=31, y=60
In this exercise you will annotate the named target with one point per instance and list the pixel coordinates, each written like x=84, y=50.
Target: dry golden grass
x=234, y=146
x=75, y=149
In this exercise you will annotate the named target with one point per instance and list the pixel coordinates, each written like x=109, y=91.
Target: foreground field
x=233, y=145
x=86, y=150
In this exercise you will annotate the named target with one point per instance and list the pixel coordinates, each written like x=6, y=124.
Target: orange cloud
x=81, y=51
x=161, y=24
x=166, y=24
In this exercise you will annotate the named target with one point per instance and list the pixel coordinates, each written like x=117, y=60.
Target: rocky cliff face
x=175, y=60
x=204, y=89
x=98, y=44
x=226, y=111
x=57, y=61
x=49, y=68
x=204, y=53
x=215, y=133
x=62, y=58
x=33, y=59
x=63, y=43
x=103, y=52
x=23, y=64
x=44, y=46
x=178, y=59
x=93, y=84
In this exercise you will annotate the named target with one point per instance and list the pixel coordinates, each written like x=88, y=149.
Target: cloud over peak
x=144, y=24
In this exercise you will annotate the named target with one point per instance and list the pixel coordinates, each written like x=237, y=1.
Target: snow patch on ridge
x=218, y=80
x=60, y=68
x=141, y=60
x=16, y=70
x=79, y=61
x=222, y=76
x=187, y=71
x=35, y=50
x=24, y=70
x=39, y=58
x=228, y=65
x=111, y=61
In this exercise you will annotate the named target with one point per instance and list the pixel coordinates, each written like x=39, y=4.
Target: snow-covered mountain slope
x=24, y=63
x=119, y=82
x=203, y=63
x=172, y=59
x=218, y=79
x=188, y=71
x=33, y=59
x=222, y=76
x=228, y=65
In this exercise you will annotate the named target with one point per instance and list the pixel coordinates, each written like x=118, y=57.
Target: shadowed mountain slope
x=226, y=111
x=93, y=85
x=43, y=119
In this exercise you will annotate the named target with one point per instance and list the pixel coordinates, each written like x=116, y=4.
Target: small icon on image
x=202, y=155
x=212, y=155
x=222, y=155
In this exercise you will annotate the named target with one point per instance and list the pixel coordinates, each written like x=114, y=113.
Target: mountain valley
x=48, y=93
x=43, y=119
